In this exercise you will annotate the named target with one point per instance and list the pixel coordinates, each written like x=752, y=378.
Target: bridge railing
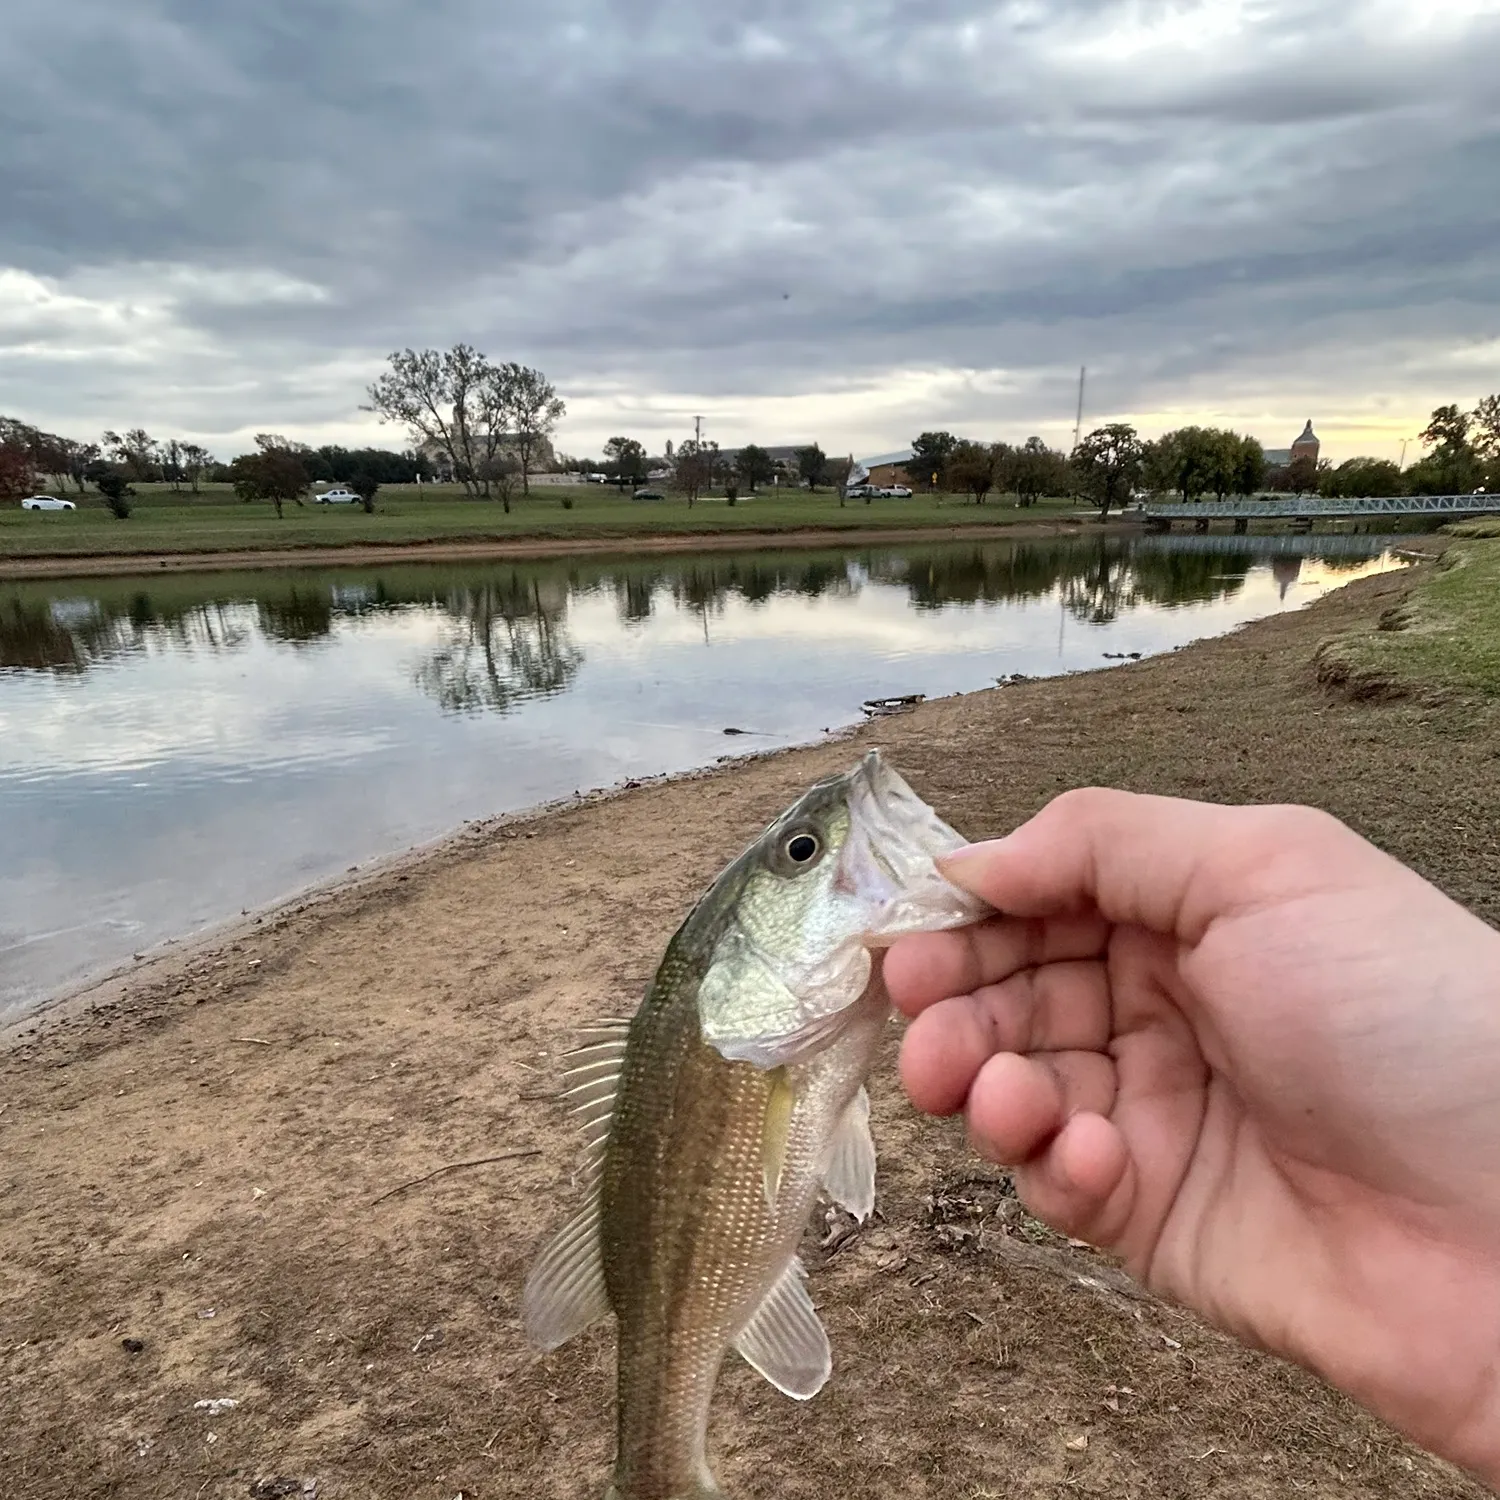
x=1281, y=509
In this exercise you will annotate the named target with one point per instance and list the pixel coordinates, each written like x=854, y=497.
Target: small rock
x=133, y=1346
x=1078, y=1444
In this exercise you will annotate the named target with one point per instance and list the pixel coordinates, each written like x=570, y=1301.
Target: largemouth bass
x=715, y=1116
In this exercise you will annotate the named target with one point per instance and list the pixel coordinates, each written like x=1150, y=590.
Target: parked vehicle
x=896, y=492
x=862, y=492
x=46, y=502
x=339, y=496
x=648, y=494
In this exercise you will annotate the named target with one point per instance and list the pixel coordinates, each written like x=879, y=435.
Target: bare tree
x=531, y=408
x=447, y=398
x=196, y=460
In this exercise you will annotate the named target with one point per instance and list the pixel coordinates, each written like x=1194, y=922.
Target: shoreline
x=233, y=1178
x=358, y=554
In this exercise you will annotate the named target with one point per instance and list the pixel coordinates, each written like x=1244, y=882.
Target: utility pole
x=1078, y=425
x=698, y=432
x=1402, y=464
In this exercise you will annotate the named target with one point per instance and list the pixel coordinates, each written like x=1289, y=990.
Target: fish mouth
x=888, y=861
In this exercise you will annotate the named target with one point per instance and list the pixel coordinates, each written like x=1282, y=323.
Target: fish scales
x=691, y=1245
x=718, y=1113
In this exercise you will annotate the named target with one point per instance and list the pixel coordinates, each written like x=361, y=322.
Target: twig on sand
x=454, y=1166
x=254, y=1041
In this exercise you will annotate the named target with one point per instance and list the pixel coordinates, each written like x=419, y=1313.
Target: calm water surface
x=174, y=750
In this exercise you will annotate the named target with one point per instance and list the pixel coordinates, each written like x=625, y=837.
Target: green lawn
x=216, y=521
x=1444, y=636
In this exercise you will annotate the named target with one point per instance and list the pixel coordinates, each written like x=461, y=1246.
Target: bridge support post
x=1241, y=525
x=1201, y=525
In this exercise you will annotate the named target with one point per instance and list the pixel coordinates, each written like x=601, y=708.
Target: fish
x=715, y=1116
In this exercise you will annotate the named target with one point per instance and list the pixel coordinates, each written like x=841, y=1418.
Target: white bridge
x=1289, y=508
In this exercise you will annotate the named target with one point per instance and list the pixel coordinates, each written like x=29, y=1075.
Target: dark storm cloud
x=223, y=215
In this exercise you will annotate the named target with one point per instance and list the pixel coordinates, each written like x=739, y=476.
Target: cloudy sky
x=841, y=220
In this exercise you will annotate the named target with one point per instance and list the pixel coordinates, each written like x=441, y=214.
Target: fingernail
x=962, y=866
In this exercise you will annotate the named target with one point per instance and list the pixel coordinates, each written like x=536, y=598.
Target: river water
x=175, y=750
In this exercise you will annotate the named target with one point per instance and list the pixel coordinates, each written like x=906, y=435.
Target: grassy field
x=1444, y=637
x=216, y=521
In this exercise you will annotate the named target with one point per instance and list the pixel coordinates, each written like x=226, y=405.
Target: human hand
x=1256, y=1058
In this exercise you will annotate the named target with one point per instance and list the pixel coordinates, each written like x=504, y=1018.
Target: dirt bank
x=362, y=555
x=190, y=1177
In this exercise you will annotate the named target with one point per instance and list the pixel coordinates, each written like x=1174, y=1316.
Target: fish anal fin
x=785, y=1342
x=849, y=1173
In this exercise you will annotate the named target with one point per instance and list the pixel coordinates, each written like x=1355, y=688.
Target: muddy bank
x=626, y=543
x=195, y=1168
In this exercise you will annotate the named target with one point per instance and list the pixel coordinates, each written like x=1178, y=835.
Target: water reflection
x=175, y=748
x=504, y=641
x=505, y=633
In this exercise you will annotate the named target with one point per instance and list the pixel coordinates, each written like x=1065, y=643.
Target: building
x=436, y=455
x=1307, y=444
x=883, y=469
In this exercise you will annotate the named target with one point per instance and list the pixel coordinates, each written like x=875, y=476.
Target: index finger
x=925, y=967
x=1163, y=863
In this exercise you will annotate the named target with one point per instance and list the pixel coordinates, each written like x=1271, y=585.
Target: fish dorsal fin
x=565, y=1291
x=785, y=1342
x=849, y=1173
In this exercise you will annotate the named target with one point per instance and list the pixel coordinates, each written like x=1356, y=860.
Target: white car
x=896, y=492
x=338, y=496
x=47, y=502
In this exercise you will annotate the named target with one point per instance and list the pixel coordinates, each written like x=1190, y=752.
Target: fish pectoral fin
x=565, y=1291
x=849, y=1173
x=785, y=1342
x=776, y=1130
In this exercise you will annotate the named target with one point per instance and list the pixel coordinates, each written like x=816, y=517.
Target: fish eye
x=802, y=848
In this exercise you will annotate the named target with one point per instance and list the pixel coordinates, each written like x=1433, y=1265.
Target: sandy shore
x=191, y=1169
x=363, y=555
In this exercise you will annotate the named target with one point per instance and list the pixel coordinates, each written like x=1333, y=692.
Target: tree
x=1108, y=465
x=811, y=463
x=971, y=467
x=628, y=460
x=17, y=471
x=929, y=458
x=1485, y=427
x=275, y=472
x=366, y=486
x=526, y=401
x=1453, y=467
x=1302, y=474
x=837, y=472
x=450, y=398
x=694, y=470
x=195, y=461
x=502, y=471
x=1361, y=477
x=77, y=460
x=754, y=465
x=1448, y=427
x=1034, y=471
x=115, y=488
x=136, y=451
x=1251, y=467
x=171, y=463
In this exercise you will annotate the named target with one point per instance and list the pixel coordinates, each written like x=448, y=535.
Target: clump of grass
x=1443, y=638
x=1484, y=526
